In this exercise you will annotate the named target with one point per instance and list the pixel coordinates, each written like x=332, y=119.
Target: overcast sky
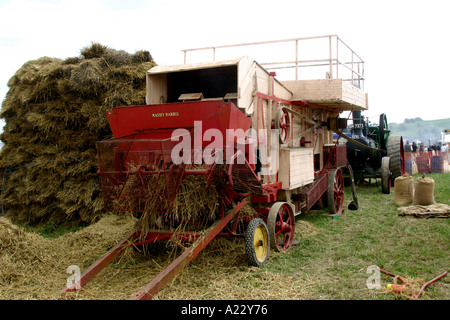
x=405, y=44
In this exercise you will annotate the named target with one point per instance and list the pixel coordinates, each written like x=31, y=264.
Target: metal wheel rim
x=386, y=181
x=281, y=224
x=283, y=124
x=257, y=242
x=384, y=129
x=335, y=191
x=260, y=245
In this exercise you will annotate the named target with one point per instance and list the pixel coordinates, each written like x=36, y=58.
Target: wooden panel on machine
x=334, y=156
x=236, y=79
x=296, y=167
x=333, y=93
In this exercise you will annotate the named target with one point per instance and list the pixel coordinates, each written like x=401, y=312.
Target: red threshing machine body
x=262, y=142
x=147, y=119
x=168, y=141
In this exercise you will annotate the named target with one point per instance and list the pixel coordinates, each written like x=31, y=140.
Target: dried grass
x=35, y=268
x=411, y=288
x=194, y=203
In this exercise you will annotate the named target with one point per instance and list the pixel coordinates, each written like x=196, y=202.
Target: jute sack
x=424, y=191
x=404, y=190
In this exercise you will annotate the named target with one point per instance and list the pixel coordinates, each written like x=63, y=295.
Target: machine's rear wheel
x=396, y=154
x=335, y=194
x=281, y=224
x=386, y=180
x=257, y=242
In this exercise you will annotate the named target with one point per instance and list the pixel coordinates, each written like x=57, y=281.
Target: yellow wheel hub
x=260, y=244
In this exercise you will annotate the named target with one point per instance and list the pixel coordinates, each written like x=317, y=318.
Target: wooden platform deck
x=333, y=93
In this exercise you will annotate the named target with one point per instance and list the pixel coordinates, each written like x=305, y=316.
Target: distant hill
x=426, y=131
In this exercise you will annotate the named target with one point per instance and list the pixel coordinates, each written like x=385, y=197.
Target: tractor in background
x=373, y=152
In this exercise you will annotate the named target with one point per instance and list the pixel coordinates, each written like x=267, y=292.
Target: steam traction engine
x=374, y=153
x=259, y=142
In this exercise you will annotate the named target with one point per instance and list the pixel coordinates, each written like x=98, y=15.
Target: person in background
x=408, y=147
x=414, y=146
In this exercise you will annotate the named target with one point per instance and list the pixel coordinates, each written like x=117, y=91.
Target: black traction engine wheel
x=396, y=154
x=386, y=176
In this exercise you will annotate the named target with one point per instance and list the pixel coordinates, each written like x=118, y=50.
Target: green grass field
x=337, y=257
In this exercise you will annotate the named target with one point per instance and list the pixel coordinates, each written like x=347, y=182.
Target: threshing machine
x=257, y=141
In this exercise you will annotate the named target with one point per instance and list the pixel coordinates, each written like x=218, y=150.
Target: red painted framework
x=221, y=228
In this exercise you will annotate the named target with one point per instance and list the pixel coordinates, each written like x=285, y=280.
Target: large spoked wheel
x=384, y=131
x=281, y=224
x=257, y=242
x=335, y=192
x=386, y=180
x=283, y=123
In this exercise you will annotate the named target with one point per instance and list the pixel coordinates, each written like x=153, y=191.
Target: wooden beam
x=101, y=263
x=186, y=257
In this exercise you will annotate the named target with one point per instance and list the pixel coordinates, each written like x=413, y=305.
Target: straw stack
x=55, y=113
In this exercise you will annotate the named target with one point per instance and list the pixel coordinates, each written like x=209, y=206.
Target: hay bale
x=55, y=112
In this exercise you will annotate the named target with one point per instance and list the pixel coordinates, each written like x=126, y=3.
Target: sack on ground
x=424, y=191
x=404, y=190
